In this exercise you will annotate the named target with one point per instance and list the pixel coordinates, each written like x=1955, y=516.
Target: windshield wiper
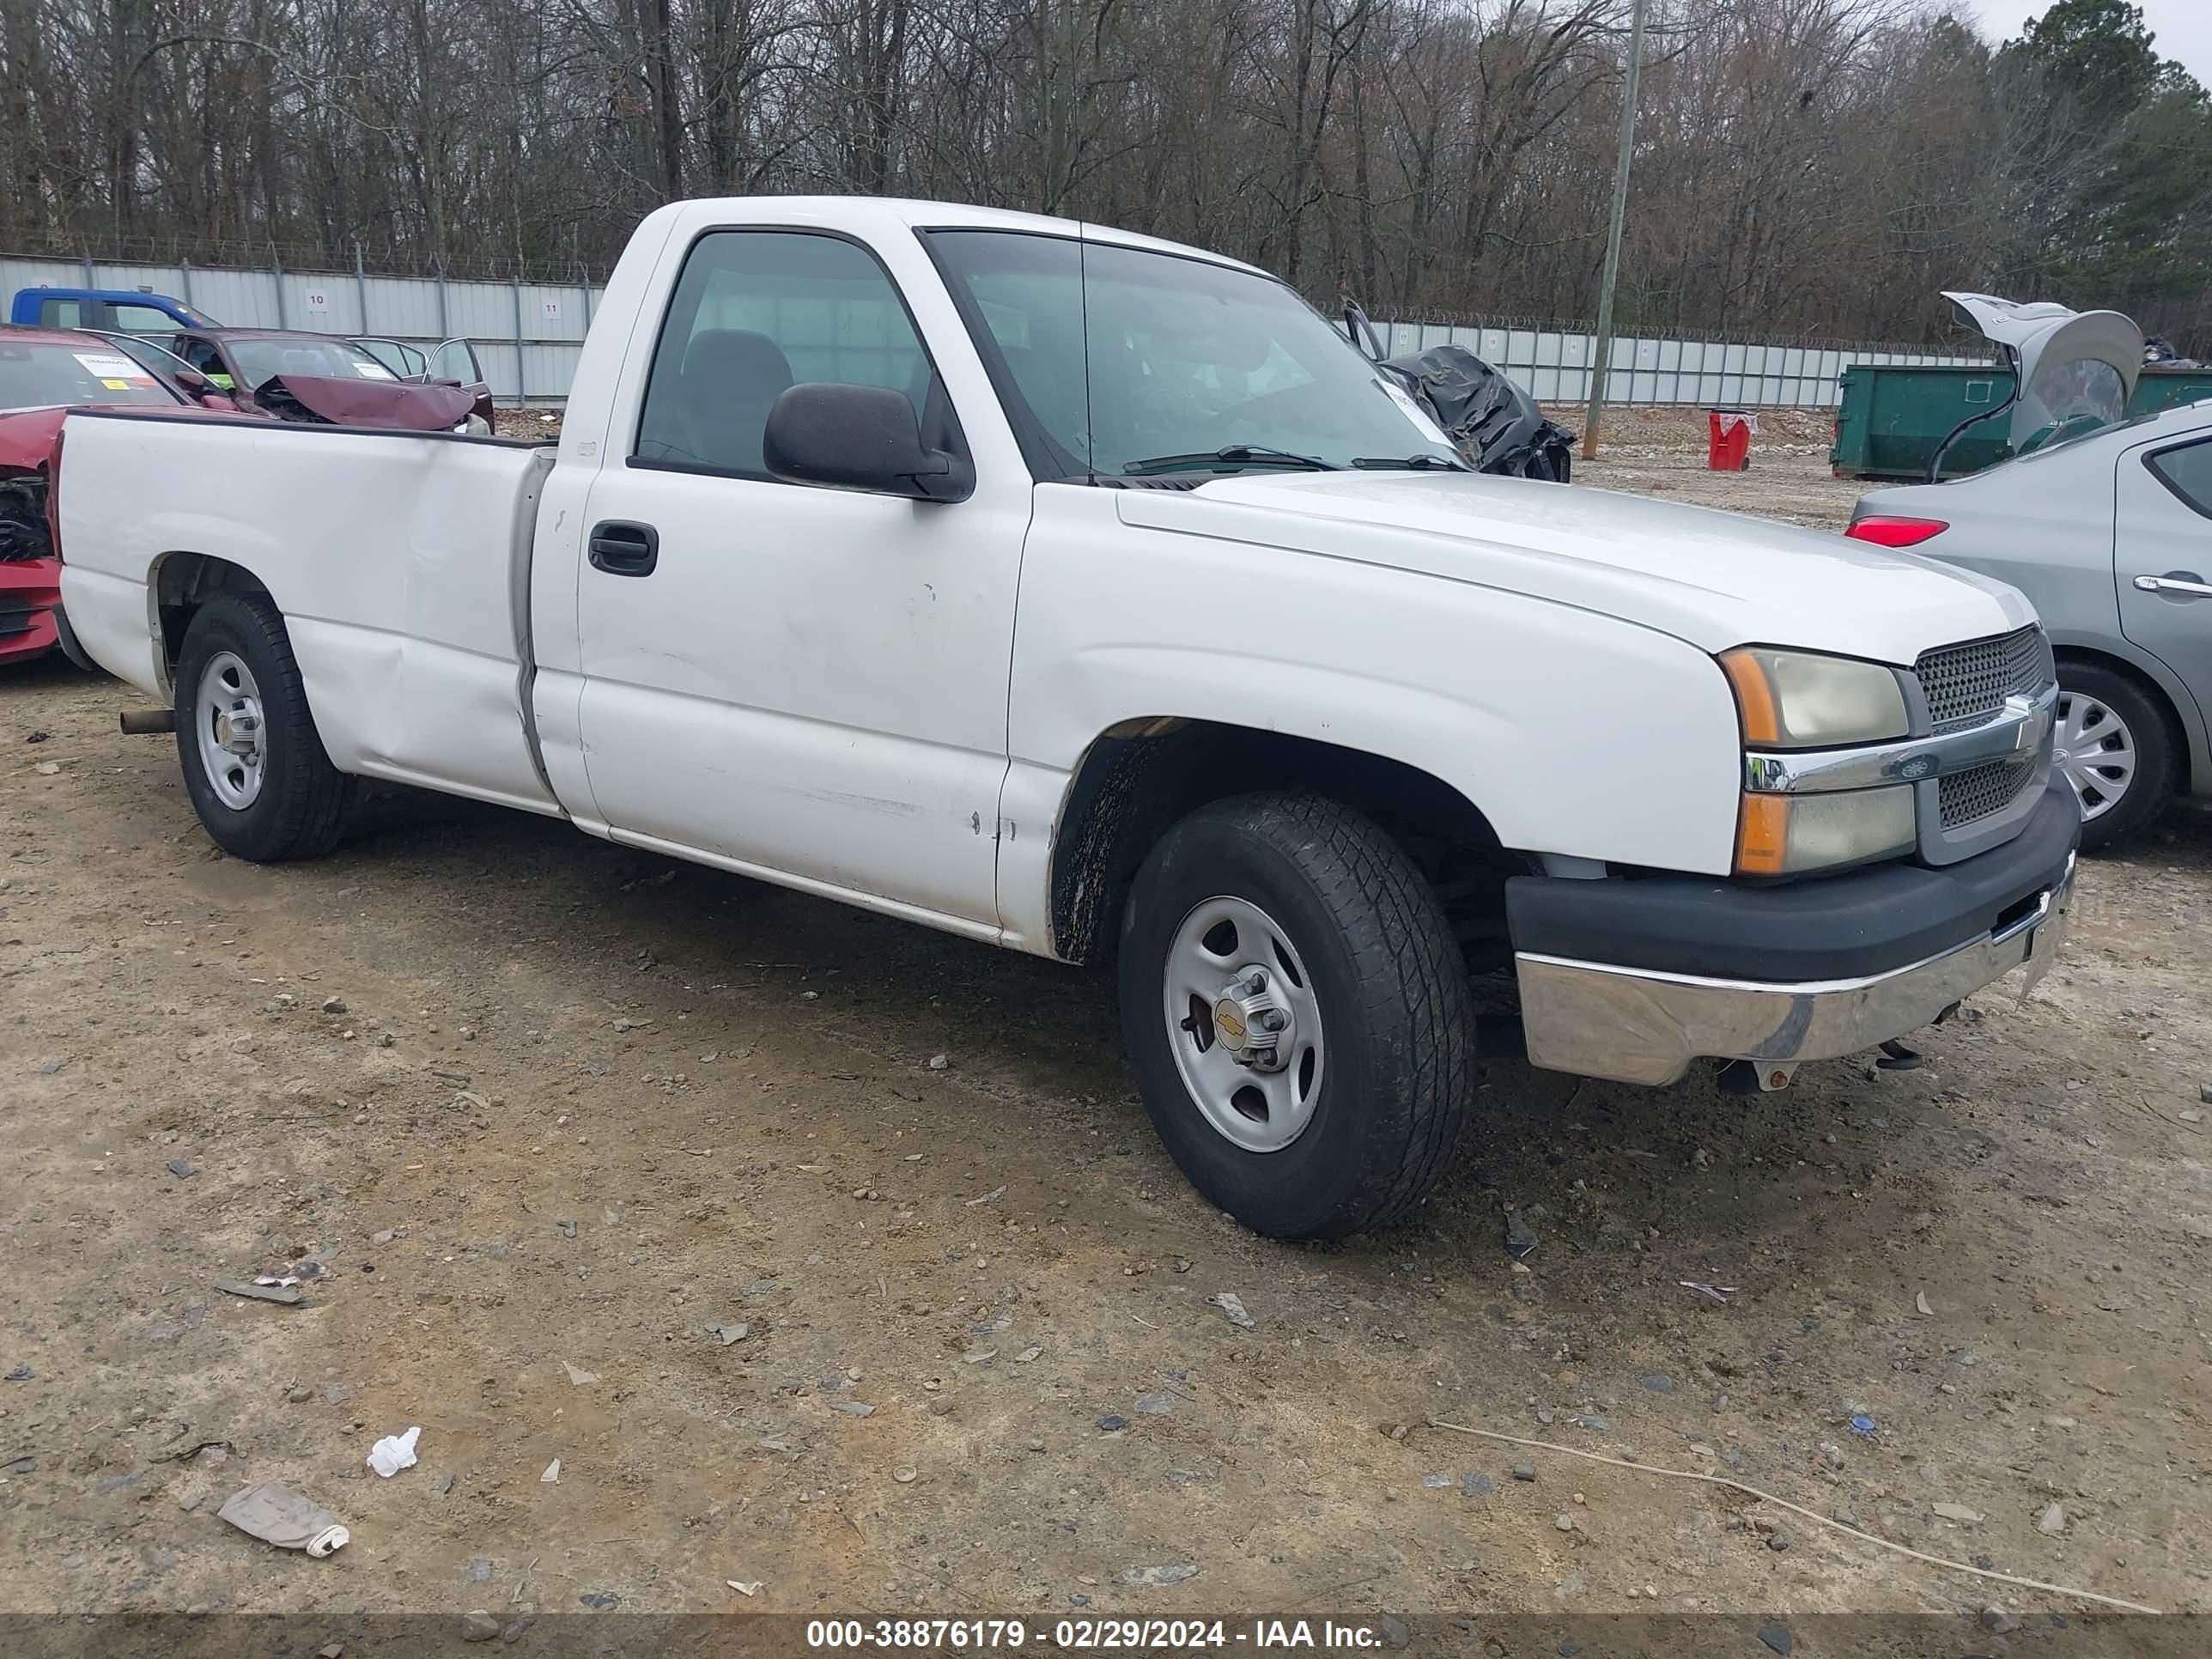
x=1259, y=453
x=1421, y=463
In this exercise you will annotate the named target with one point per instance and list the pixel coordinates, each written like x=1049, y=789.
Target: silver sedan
x=2111, y=536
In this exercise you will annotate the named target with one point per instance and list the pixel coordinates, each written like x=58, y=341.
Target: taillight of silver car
x=1889, y=530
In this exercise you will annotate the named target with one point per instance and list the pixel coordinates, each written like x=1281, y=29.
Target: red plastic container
x=1728, y=442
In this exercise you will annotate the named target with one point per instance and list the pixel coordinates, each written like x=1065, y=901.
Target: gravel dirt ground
x=837, y=1258
x=1661, y=451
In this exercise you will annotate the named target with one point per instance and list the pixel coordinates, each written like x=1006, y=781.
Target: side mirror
x=193, y=382
x=859, y=437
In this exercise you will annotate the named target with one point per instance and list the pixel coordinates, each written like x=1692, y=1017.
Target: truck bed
x=400, y=561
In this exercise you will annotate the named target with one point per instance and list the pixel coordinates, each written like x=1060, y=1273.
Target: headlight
x=1801, y=700
x=1790, y=835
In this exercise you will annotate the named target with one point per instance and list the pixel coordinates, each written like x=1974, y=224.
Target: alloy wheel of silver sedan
x=231, y=733
x=1243, y=1023
x=2095, y=752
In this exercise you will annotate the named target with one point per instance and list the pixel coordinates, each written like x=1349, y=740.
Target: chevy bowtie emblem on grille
x=2030, y=731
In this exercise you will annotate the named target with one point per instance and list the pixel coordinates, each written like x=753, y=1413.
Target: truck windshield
x=1123, y=363
x=42, y=374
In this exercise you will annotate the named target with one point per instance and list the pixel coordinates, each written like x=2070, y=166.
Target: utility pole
x=1601, y=360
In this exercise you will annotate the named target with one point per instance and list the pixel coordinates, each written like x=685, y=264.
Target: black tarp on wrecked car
x=1494, y=424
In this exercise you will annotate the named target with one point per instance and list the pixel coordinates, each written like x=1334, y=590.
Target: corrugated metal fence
x=1554, y=365
x=527, y=335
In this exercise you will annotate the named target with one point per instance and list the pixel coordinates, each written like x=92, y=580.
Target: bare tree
x=1815, y=166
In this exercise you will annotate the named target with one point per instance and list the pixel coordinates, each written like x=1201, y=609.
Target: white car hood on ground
x=1713, y=579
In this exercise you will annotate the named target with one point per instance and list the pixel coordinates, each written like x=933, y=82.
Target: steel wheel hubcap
x=232, y=736
x=1244, y=1025
x=2095, y=751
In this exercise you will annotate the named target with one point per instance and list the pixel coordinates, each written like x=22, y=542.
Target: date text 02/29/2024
x=1095, y=1635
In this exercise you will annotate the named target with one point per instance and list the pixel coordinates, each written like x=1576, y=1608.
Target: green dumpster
x=1894, y=415
x=2164, y=386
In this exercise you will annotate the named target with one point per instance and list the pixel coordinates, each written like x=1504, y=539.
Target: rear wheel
x=1297, y=1015
x=255, y=767
x=2115, y=746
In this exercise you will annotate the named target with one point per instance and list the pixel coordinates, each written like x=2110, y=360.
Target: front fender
x=1573, y=733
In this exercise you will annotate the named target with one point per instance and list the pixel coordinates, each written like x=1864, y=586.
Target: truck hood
x=1713, y=579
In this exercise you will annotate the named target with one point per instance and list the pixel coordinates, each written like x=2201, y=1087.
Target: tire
x=290, y=802
x=2103, y=712
x=1374, y=1100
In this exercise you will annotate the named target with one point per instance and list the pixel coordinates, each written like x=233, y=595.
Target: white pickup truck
x=1084, y=593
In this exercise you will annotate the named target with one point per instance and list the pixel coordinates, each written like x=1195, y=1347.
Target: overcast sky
x=2183, y=28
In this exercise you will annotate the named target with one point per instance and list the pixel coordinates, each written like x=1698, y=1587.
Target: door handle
x=623, y=549
x=2183, y=583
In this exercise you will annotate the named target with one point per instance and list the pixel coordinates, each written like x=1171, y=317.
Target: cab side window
x=142, y=320
x=61, y=313
x=202, y=356
x=754, y=313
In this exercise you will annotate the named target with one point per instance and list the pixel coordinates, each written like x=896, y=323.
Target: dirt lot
x=540, y=1112
x=543, y=424
x=1661, y=451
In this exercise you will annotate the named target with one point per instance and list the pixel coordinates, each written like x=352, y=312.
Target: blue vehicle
x=111, y=310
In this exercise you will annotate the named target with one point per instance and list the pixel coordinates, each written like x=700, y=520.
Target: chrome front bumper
x=1637, y=1026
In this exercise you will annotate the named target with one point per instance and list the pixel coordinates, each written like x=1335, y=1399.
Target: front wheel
x=2114, y=744
x=1297, y=1015
x=254, y=765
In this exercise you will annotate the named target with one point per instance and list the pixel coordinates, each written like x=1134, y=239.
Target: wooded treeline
x=1813, y=166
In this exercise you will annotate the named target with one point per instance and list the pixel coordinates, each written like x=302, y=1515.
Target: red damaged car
x=44, y=374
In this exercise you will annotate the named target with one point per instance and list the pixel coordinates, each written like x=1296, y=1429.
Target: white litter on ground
x=393, y=1453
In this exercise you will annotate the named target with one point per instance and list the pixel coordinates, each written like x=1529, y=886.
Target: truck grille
x=1966, y=684
x=1967, y=797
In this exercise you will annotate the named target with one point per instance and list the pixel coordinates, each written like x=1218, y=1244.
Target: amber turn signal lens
x=1755, y=696
x=1807, y=699
x=1762, y=839
x=1790, y=835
